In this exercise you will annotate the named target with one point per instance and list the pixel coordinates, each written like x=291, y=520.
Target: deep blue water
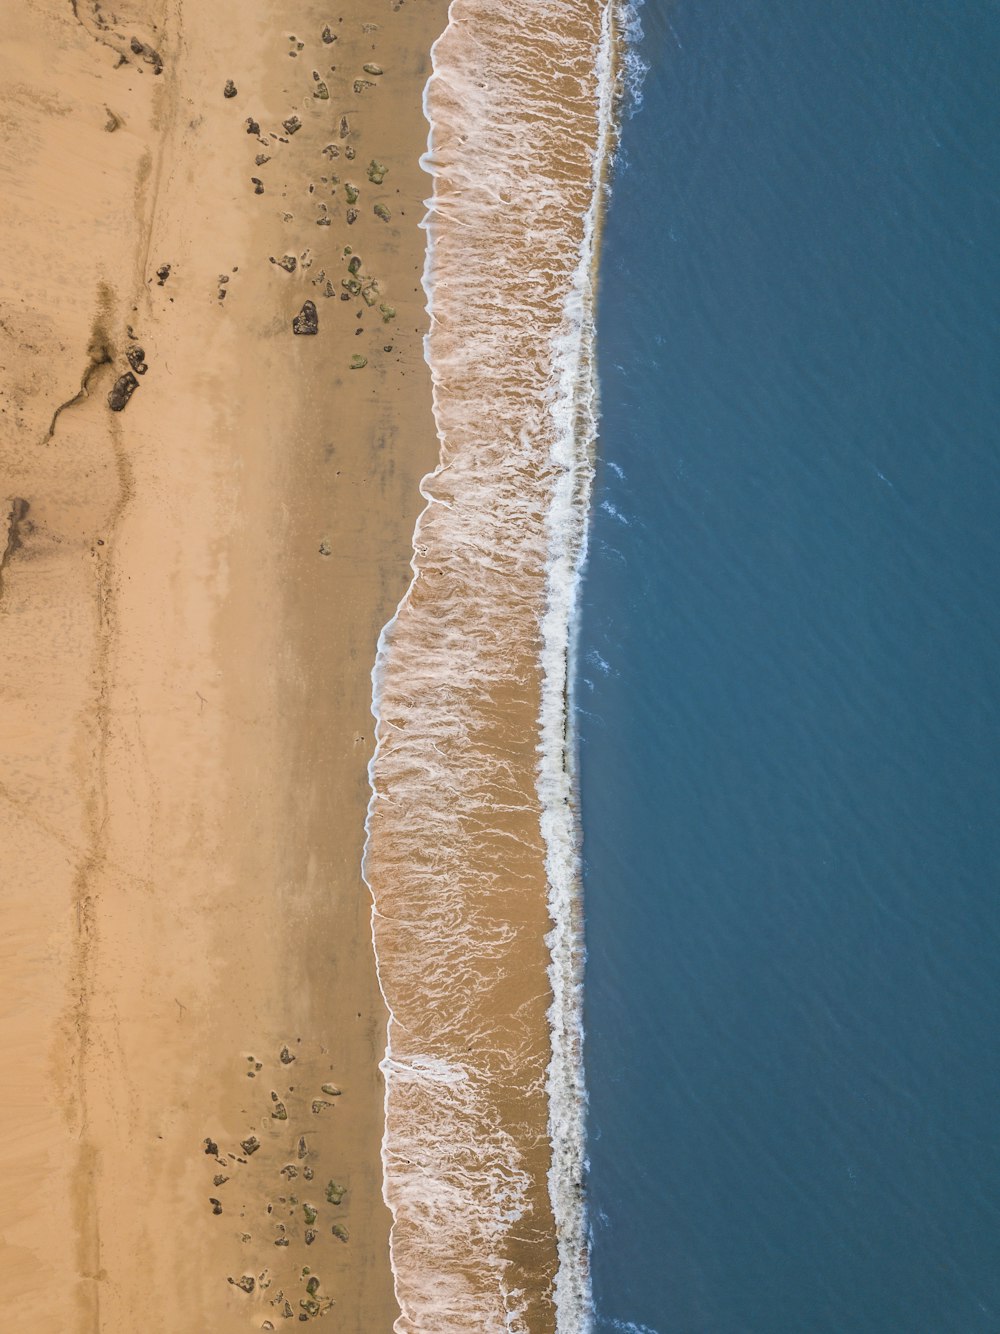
x=790, y=704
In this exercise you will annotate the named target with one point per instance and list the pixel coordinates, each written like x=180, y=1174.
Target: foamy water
x=472, y=853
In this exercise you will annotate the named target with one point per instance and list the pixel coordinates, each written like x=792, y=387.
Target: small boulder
x=121, y=391
x=230, y=89
x=307, y=320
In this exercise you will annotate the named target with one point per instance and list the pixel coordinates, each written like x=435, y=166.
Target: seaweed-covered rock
x=321, y=91
x=245, y=1284
x=250, y=1146
x=309, y=1213
x=292, y=125
x=352, y=216
x=357, y=364
x=285, y=1056
x=328, y=35
x=377, y=172
x=288, y=263
x=373, y=69
x=351, y=191
x=340, y=1232
x=307, y=320
x=335, y=1192
x=121, y=391
x=382, y=212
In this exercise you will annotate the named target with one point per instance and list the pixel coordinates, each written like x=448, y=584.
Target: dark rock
x=122, y=390
x=219, y=1179
x=211, y=1147
x=245, y=1284
x=310, y=1236
x=252, y=126
x=291, y=125
x=150, y=56
x=137, y=360
x=307, y=320
x=216, y=1205
x=352, y=216
x=250, y=1146
x=163, y=273
x=230, y=89
x=328, y=36
x=286, y=1056
x=286, y=262
x=258, y=185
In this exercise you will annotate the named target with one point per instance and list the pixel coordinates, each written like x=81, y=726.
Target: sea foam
x=472, y=854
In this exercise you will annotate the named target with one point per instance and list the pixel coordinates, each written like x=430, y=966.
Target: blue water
x=790, y=678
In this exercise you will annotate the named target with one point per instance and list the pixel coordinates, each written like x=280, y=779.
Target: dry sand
x=190, y=594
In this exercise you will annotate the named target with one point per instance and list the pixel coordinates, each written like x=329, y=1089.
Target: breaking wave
x=472, y=853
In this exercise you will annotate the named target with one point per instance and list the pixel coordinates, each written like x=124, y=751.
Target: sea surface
x=788, y=680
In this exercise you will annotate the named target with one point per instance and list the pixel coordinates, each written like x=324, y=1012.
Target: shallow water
x=472, y=856
x=788, y=694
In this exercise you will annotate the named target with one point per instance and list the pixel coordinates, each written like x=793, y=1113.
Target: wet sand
x=190, y=595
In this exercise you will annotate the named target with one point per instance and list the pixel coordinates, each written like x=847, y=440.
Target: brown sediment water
x=472, y=850
x=191, y=590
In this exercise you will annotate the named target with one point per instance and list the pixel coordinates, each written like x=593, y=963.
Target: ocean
x=788, y=678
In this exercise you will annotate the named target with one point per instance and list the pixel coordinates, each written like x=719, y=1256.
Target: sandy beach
x=191, y=589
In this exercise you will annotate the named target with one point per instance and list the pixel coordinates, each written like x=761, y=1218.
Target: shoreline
x=188, y=769
x=489, y=1226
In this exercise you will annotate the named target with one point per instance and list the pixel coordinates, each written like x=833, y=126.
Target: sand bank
x=190, y=594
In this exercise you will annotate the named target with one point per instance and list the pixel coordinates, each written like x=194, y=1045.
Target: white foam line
x=574, y=413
